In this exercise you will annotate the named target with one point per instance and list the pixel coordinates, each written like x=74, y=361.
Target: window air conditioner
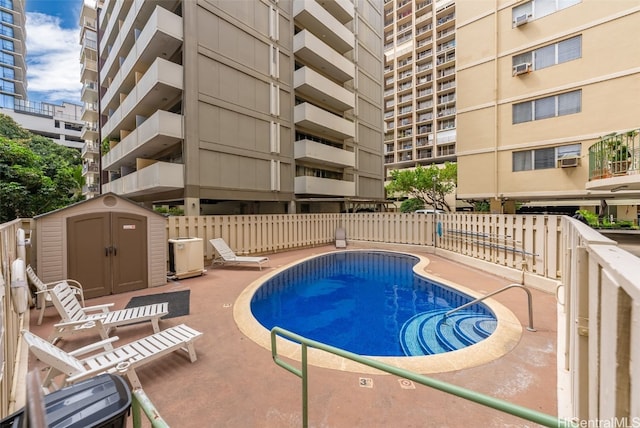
x=569, y=162
x=521, y=20
x=523, y=68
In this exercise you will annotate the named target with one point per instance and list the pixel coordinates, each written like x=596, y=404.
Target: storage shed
x=108, y=243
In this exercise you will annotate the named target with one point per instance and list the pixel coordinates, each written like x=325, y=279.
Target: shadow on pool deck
x=235, y=382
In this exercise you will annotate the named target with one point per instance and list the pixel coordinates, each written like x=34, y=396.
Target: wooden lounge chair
x=226, y=255
x=43, y=293
x=122, y=360
x=76, y=319
x=341, y=238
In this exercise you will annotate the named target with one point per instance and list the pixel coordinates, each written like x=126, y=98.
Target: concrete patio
x=235, y=383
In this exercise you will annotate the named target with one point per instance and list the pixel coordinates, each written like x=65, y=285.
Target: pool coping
x=505, y=337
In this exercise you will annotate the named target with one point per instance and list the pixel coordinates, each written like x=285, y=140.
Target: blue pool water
x=370, y=303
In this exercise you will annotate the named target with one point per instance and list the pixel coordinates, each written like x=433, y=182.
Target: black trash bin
x=100, y=402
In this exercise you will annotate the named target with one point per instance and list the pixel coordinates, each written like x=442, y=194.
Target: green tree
x=410, y=205
x=36, y=174
x=429, y=185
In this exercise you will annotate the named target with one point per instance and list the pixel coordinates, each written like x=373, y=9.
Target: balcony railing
x=615, y=155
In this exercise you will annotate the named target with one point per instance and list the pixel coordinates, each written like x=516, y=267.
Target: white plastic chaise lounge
x=122, y=360
x=43, y=293
x=77, y=319
x=226, y=255
x=341, y=238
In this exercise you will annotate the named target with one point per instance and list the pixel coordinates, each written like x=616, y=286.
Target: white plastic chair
x=43, y=290
x=341, y=238
x=226, y=255
x=122, y=360
x=78, y=319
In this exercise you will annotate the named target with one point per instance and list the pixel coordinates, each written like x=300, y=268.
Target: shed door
x=107, y=252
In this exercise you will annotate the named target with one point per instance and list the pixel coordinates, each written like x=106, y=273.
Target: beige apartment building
x=89, y=97
x=539, y=82
x=260, y=106
x=419, y=82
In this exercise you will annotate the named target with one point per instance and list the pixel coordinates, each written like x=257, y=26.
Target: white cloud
x=53, y=60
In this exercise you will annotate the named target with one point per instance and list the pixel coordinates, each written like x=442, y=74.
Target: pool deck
x=235, y=383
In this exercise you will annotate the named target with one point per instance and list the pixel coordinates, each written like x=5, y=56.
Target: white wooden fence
x=601, y=346
x=505, y=240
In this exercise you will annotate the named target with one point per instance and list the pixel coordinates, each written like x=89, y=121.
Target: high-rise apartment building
x=540, y=81
x=419, y=82
x=242, y=106
x=12, y=56
x=89, y=97
x=60, y=122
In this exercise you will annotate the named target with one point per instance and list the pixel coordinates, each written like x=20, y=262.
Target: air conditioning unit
x=569, y=162
x=523, y=68
x=186, y=257
x=521, y=20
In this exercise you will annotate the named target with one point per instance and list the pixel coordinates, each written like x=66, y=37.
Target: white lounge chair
x=43, y=293
x=226, y=255
x=76, y=319
x=341, y=238
x=122, y=360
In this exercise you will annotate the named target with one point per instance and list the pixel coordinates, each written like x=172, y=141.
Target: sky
x=53, y=50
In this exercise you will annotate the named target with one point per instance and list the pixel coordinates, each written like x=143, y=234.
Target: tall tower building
x=260, y=106
x=12, y=57
x=89, y=97
x=540, y=82
x=419, y=82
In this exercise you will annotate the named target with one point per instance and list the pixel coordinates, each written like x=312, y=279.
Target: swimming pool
x=505, y=337
x=370, y=303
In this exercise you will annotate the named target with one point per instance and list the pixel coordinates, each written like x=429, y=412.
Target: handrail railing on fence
x=505, y=288
x=486, y=400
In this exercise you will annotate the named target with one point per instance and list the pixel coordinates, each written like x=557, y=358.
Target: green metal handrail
x=140, y=401
x=485, y=400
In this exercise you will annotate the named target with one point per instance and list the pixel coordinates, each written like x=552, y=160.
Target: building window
x=6, y=30
x=546, y=56
x=545, y=158
x=6, y=17
x=7, y=45
x=538, y=8
x=543, y=108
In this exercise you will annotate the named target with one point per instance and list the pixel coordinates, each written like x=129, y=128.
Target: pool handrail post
x=493, y=293
x=477, y=397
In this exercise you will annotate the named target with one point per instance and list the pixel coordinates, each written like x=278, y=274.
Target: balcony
x=89, y=131
x=155, y=178
x=89, y=148
x=315, y=86
x=90, y=112
x=89, y=71
x=321, y=56
x=161, y=35
x=160, y=131
x=311, y=151
x=93, y=168
x=161, y=83
x=614, y=162
x=310, y=15
x=90, y=188
x=307, y=185
x=89, y=92
x=320, y=121
x=342, y=10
